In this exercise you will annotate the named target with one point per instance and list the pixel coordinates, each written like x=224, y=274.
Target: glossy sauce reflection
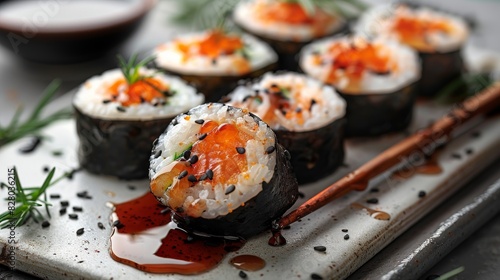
x=376, y=214
x=248, y=262
x=151, y=242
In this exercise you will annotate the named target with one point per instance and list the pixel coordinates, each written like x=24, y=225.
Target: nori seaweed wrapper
x=317, y=153
x=438, y=70
x=118, y=148
x=376, y=114
x=215, y=86
x=258, y=213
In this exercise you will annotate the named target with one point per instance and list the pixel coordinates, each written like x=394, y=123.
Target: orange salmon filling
x=354, y=61
x=294, y=14
x=413, y=30
x=144, y=90
x=214, y=158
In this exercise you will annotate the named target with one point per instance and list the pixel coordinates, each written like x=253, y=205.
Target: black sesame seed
x=313, y=101
x=287, y=227
x=80, y=231
x=199, y=121
x=157, y=154
x=214, y=61
x=77, y=209
x=242, y=274
x=73, y=216
x=82, y=194
x=100, y=225
x=240, y=150
x=469, y=151
x=164, y=211
x=55, y=196
x=155, y=142
x=142, y=99
x=320, y=248
x=346, y=237
x=106, y=101
x=64, y=203
x=246, y=98
x=345, y=230
x=183, y=174
x=31, y=146
x=193, y=159
x=374, y=190
x=46, y=169
x=62, y=211
x=57, y=153
x=270, y=149
x=45, y=224
x=372, y=201
x=421, y=193
x=121, y=109
x=130, y=187
x=316, y=276
x=186, y=154
x=118, y=224
x=302, y=195
x=455, y=155
x=230, y=189
x=203, y=136
x=192, y=178
x=210, y=174
x=298, y=110
x=476, y=134
x=203, y=177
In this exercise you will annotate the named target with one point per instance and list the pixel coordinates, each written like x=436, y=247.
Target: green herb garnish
x=131, y=68
x=463, y=87
x=16, y=129
x=345, y=8
x=178, y=156
x=27, y=200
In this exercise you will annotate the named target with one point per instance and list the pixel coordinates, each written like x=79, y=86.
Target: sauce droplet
x=248, y=262
x=376, y=214
x=430, y=167
x=277, y=239
x=150, y=241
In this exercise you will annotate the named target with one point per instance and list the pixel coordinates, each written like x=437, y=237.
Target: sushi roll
x=222, y=172
x=376, y=78
x=306, y=115
x=286, y=25
x=213, y=61
x=438, y=37
x=118, y=118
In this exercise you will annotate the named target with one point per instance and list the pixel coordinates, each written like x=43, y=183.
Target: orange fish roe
x=144, y=90
x=213, y=158
x=354, y=60
x=413, y=30
x=294, y=14
x=214, y=44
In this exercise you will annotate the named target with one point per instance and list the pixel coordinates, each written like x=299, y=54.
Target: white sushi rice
x=91, y=96
x=260, y=164
x=403, y=59
x=169, y=57
x=246, y=15
x=329, y=105
x=379, y=20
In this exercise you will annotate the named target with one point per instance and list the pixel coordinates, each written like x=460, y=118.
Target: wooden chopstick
x=438, y=132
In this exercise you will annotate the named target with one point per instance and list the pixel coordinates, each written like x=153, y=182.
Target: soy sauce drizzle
x=150, y=241
x=248, y=262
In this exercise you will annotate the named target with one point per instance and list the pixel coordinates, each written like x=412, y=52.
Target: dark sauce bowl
x=32, y=38
x=376, y=114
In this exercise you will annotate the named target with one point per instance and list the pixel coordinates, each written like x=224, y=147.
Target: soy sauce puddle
x=147, y=239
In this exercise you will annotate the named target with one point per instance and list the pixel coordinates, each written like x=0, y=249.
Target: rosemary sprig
x=131, y=68
x=27, y=200
x=464, y=86
x=16, y=129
